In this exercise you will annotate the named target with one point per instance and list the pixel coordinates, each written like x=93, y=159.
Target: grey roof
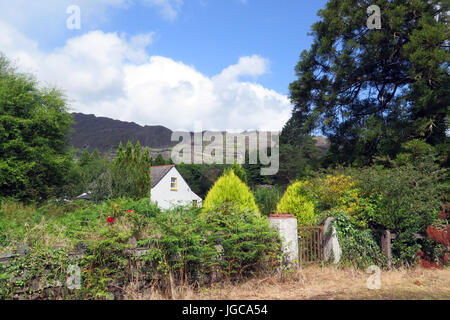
x=158, y=172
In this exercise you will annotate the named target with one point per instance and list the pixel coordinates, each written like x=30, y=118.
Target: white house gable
x=170, y=189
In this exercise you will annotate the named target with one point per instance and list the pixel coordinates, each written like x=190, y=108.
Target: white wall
x=166, y=198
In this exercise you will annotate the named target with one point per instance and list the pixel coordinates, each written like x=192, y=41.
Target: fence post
x=331, y=242
x=386, y=245
x=286, y=225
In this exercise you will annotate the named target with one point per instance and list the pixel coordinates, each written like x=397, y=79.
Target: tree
x=229, y=189
x=160, y=161
x=367, y=90
x=35, y=160
x=85, y=173
x=297, y=201
x=130, y=172
x=239, y=171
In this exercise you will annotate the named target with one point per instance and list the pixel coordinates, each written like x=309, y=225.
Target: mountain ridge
x=104, y=134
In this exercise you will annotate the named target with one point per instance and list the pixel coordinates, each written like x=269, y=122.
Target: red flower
x=130, y=211
x=110, y=220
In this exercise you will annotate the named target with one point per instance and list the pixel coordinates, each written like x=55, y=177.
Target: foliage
x=89, y=174
x=230, y=189
x=339, y=192
x=359, y=247
x=130, y=172
x=45, y=268
x=239, y=171
x=247, y=244
x=182, y=246
x=34, y=155
x=404, y=199
x=267, y=199
x=200, y=177
x=297, y=159
x=297, y=201
x=160, y=161
x=371, y=90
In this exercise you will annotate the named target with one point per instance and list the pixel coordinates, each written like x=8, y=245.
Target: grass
x=321, y=283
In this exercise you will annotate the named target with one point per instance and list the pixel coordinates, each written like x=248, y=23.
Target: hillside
x=105, y=134
x=91, y=132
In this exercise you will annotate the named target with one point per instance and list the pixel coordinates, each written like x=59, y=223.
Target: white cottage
x=170, y=189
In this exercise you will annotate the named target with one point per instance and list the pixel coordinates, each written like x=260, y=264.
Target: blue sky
x=231, y=59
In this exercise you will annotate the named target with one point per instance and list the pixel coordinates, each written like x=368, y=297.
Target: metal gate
x=310, y=244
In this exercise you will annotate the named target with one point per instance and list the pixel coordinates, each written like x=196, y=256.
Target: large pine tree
x=369, y=90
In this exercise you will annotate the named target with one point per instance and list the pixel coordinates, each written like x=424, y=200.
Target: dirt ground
x=326, y=283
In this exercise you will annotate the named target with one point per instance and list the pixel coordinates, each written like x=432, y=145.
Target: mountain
x=105, y=134
x=91, y=132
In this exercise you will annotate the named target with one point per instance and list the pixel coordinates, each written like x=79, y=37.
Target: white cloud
x=49, y=16
x=169, y=9
x=111, y=75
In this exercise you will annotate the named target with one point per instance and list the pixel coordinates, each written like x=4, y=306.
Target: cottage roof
x=158, y=172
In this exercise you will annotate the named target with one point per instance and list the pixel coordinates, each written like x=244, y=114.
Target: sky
x=183, y=64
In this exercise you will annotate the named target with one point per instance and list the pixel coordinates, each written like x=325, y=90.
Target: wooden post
x=386, y=246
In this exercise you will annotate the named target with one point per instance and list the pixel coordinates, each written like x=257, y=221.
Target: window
x=174, y=184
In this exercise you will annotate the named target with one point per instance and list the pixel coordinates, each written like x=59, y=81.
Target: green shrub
x=230, y=189
x=359, y=247
x=404, y=198
x=267, y=199
x=296, y=201
x=246, y=243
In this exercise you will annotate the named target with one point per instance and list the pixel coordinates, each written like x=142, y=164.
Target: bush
x=245, y=242
x=359, y=247
x=297, y=201
x=182, y=246
x=267, y=199
x=340, y=192
x=404, y=198
x=230, y=189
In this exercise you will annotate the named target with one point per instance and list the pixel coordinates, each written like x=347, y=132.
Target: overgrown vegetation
x=181, y=247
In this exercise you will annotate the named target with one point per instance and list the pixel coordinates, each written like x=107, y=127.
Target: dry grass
x=315, y=283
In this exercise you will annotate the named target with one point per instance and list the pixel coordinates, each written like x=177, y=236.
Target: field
x=325, y=283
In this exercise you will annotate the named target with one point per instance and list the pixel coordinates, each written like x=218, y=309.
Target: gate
x=310, y=244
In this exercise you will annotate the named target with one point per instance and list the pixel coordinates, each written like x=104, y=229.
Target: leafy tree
x=296, y=201
x=200, y=177
x=267, y=199
x=297, y=160
x=239, y=171
x=160, y=161
x=371, y=90
x=253, y=171
x=229, y=189
x=130, y=172
x=86, y=174
x=35, y=160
